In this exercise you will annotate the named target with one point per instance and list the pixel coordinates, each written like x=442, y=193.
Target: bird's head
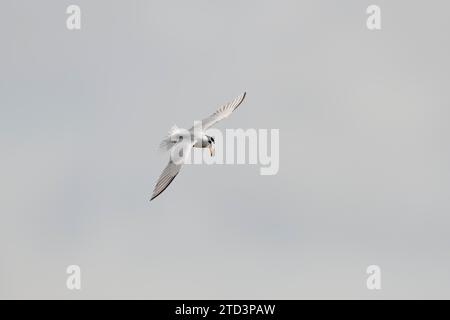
x=211, y=144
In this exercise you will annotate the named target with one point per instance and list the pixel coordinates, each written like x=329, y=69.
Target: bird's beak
x=211, y=150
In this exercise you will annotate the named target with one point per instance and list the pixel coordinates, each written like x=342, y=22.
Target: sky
x=364, y=171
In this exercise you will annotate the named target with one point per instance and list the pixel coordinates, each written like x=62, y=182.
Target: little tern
x=182, y=141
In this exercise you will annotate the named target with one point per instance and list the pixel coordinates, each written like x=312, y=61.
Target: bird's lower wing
x=172, y=169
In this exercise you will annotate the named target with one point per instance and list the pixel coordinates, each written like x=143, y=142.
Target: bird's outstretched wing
x=223, y=112
x=172, y=169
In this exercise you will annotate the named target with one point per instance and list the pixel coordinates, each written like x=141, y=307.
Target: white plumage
x=182, y=141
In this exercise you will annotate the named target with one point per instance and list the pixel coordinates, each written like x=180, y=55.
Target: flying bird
x=181, y=141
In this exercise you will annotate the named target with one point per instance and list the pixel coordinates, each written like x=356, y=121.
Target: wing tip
x=155, y=195
x=242, y=100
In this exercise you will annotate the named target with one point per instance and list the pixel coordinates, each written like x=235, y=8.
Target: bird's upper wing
x=223, y=112
x=171, y=170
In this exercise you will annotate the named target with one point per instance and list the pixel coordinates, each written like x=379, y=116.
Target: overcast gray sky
x=364, y=149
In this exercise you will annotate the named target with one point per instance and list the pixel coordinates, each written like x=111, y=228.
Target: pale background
x=365, y=149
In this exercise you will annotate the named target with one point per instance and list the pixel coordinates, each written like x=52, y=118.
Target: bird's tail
x=170, y=140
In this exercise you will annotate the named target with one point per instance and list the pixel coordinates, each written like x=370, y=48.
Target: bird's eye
x=212, y=139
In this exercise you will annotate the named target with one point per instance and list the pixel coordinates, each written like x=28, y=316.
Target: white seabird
x=184, y=140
